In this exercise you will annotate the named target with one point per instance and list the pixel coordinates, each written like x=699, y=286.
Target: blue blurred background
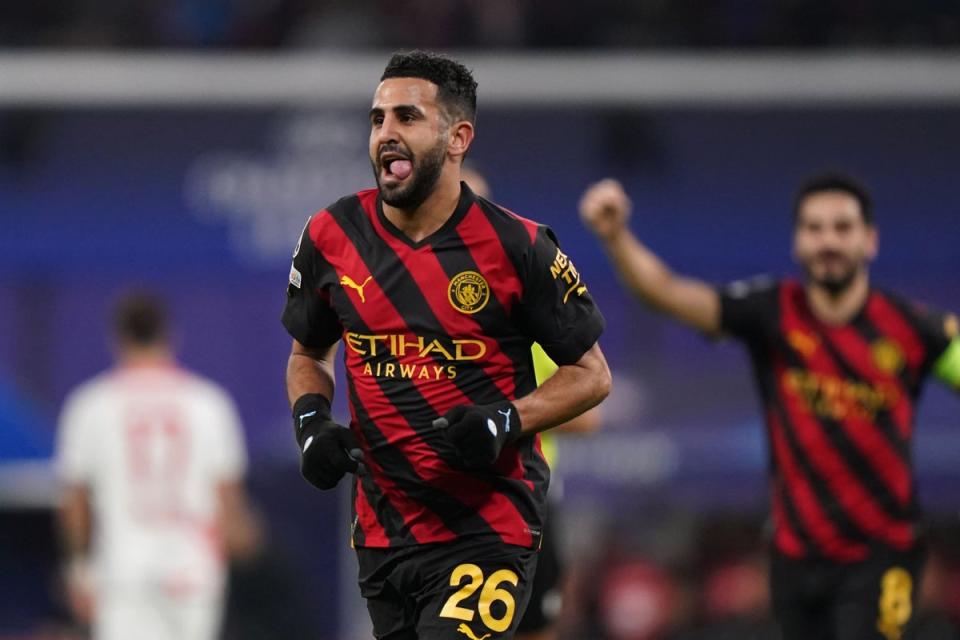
x=204, y=204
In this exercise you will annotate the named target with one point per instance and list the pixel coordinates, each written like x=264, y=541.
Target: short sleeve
x=557, y=310
x=230, y=461
x=937, y=330
x=74, y=458
x=308, y=315
x=746, y=307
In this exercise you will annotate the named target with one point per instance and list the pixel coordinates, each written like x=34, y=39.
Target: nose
x=387, y=131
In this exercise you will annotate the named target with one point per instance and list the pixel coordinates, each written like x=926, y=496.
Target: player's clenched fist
x=604, y=208
x=478, y=432
x=327, y=450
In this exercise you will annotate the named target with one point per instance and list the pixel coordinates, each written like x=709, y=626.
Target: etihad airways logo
x=838, y=398
x=442, y=354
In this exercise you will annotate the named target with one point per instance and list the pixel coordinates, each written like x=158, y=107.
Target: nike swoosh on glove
x=327, y=450
x=479, y=432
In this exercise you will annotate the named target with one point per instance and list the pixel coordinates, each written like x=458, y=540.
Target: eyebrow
x=399, y=109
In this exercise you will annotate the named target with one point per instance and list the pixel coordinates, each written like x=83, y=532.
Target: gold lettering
x=451, y=372
x=435, y=346
x=354, y=342
x=437, y=371
x=403, y=344
x=389, y=369
x=367, y=371
x=424, y=373
x=406, y=370
x=461, y=354
x=559, y=264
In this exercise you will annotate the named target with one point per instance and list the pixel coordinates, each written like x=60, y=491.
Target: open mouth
x=395, y=165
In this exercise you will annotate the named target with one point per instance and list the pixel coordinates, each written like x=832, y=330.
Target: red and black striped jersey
x=427, y=326
x=839, y=403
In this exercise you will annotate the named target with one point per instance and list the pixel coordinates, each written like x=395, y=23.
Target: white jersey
x=152, y=443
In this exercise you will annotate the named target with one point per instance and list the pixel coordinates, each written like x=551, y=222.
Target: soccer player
x=437, y=296
x=152, y=460
x=839, y=365
x=539, y=621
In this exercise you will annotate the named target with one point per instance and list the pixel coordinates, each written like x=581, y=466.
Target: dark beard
x=422, y=180
x=835, y=285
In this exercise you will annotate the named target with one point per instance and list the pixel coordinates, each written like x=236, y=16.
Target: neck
x=432, y=213
x=840, y=307
x=140, y=356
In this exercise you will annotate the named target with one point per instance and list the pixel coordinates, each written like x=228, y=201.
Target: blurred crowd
x=343, y=24
x=705, y=577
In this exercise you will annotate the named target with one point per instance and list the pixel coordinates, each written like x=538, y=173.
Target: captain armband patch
x=947, y=366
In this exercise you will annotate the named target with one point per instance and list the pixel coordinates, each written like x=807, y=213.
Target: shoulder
x=206, y=390
x=512, y=227
x=343, y=211
x=89, y=395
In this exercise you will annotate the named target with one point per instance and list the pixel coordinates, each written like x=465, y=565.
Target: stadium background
x=709, y=112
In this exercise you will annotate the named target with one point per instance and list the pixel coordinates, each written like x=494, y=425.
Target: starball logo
x=439, y=356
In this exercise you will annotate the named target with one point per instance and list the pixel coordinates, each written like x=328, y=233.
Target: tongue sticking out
x=401, y=168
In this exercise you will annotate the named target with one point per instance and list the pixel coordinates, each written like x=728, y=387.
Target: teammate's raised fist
x=605, y=208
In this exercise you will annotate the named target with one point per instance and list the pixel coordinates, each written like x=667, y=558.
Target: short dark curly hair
x=457, y=90
x=140, y=318
x=835, y=181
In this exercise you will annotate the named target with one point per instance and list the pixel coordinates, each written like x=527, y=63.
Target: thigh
x=877, y=599
x=474, y=591
x=389, y=602
x=799, y=599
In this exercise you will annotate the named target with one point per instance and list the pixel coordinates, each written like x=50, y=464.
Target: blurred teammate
x=546, y=598
x=839, y=364
x=152, y=461
x=438, y=296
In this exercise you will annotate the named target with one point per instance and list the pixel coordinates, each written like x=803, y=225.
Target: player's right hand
x=327, y=450
x=605, y=208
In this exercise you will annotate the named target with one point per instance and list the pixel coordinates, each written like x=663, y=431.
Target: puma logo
x=347, y=281
x=506, y=419
x=467, y=631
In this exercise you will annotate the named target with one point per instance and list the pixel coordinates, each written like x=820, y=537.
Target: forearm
x=310, y=371
x=571, y=391
x=649, y=278
x=75, y=524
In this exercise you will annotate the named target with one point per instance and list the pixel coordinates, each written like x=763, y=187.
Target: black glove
x=327, y=450
x=478, y=432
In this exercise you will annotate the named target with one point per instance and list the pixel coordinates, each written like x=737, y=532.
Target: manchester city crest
x=468, y=292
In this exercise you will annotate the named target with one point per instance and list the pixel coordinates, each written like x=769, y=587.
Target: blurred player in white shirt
x=151, y=458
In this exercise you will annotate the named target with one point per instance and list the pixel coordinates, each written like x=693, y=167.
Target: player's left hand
x=479, y=432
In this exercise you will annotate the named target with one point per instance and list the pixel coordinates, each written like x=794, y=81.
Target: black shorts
x=546, y=596
x=823, y=600
x=471, y=589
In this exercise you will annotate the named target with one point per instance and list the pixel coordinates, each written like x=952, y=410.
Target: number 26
x=490, y=593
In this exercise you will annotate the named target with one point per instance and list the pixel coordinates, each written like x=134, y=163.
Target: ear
x=873, y=242
x=461, y=136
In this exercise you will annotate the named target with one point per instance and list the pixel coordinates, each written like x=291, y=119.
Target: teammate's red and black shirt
x=427, y=326
x=839, y=404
